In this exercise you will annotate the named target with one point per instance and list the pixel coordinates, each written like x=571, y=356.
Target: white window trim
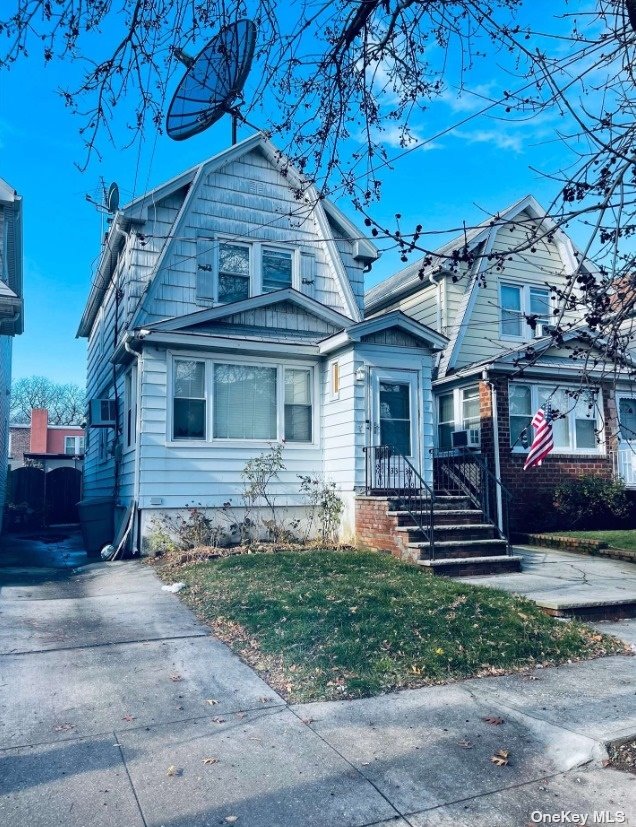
x=130, y=377
x=525, y=308
x=211, y=440
x=458, y=413
x=255, y=263
x=76, y=451
x=601, y=447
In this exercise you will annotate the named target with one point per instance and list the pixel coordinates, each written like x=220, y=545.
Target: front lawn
x=325, y=624
x=614, y=539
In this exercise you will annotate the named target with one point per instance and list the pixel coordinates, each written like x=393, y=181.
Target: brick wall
x=376, y=528
x=20, y=444
x=530, y=489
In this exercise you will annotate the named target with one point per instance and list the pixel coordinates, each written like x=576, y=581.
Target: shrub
x=590, y=503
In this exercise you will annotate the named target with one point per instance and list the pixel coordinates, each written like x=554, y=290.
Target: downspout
x=137, y=470
x=495, y=443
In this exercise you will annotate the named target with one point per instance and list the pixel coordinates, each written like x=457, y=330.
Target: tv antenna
x=111, y=199
x=213, y=82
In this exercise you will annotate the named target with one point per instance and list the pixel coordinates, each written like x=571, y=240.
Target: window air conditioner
x=103, y=413
x=459, y=439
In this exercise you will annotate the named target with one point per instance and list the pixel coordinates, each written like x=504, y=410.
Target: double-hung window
x=276, y=269
x=230, y=270
x=298, y=407
x=459, y=411
x=517, y=303
x=189, y=400
x=74, y=445
x=234, y=272
x=576, y=429
x=263, y=402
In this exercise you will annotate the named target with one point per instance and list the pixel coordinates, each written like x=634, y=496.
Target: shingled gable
x=134, y=214
x=281, y=310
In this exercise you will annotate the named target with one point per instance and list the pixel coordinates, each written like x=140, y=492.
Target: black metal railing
x=467, y=474
x=389, y=473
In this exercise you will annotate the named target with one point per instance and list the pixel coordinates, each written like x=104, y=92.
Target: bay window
x=265, y=402
x=244, y=401
x=577, y=428
x=298, y=409
x=189, y=402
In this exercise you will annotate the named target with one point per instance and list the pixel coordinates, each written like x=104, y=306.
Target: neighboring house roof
x=136, y=212
x=408, y=281
x=12, y=317
x=395, y=319
x=412, y=278
x=541, y=361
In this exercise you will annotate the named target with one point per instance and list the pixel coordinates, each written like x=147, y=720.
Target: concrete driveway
x=118, y=708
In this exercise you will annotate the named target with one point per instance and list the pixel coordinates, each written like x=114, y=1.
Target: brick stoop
x=464, y=544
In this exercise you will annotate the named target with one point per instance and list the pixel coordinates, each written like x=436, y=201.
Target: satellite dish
x=112, y=198
x=213, y=82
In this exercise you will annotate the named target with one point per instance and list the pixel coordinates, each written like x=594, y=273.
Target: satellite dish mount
x=213, y=82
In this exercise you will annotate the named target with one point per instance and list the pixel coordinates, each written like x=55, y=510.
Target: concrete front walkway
x=566, y=581
x=117, y=708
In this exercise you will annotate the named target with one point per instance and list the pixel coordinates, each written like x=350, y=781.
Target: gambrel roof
x=136, y=213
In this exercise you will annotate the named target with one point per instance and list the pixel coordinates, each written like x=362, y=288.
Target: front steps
x=464, y=545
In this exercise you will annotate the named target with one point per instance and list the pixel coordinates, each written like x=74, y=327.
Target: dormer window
x=232, y=270
x=277, y=269
x=517, y=302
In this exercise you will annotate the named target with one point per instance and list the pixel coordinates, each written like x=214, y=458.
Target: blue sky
x=477, y=169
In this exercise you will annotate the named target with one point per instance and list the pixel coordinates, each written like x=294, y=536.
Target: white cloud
x=500, y=138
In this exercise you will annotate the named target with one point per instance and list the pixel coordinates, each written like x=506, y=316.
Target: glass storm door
x=394, y=412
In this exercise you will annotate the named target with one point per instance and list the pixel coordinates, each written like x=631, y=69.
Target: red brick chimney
x=39, y=427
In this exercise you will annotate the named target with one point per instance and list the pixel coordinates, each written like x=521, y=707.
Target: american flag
x=543, y=441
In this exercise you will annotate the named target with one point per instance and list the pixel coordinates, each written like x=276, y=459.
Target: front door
x=395, y=412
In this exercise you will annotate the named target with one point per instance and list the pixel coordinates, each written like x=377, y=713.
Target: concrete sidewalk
x=118, y=708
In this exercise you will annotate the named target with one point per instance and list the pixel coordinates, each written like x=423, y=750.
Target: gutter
x=104, y=274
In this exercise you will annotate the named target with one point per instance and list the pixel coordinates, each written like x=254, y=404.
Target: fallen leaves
x=175, y=678
x=173, y=772
x=128, y=717
x=231, y=819
x=211, y=701
x=210, y=760
x=218, y=720
x=501, y=758
x=465, y=744
x=493, y=719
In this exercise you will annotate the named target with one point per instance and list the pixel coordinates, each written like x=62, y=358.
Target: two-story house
x=227, y=314
x=11, y=310
x=493, y=292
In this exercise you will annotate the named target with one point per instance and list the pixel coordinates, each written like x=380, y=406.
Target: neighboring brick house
x=49, y=446
x=487, y=384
